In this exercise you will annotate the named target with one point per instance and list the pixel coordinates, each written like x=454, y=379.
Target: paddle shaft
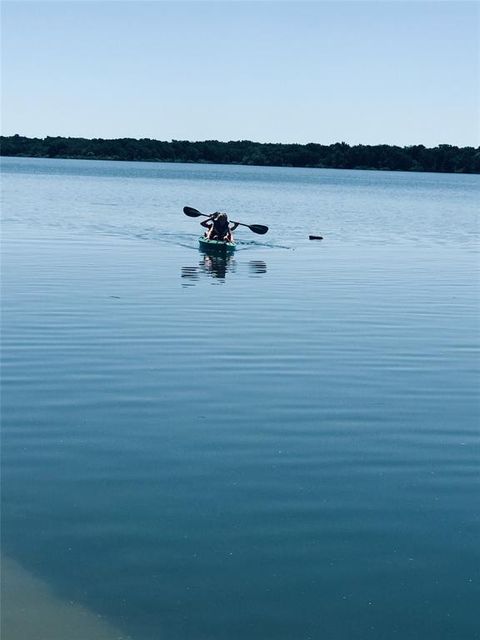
x=256, y=228
x=242, y=224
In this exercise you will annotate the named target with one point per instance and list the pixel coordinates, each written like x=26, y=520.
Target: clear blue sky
x=284, y=71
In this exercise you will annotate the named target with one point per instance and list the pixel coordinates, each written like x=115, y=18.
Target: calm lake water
x=284, y=445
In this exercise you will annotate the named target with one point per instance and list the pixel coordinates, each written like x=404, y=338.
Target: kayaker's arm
x=234, y=226
x=206, y=223
x=209, y=221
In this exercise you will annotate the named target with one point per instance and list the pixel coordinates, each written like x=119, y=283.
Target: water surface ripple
x=280, y=445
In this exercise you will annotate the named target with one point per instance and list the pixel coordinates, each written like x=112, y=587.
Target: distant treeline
x=444, y=158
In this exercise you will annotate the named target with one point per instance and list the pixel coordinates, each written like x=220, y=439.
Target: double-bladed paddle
x=256, y=228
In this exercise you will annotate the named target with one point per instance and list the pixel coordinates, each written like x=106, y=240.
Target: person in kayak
x=219, y=227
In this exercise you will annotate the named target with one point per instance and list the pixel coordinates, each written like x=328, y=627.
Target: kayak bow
x=217, y=246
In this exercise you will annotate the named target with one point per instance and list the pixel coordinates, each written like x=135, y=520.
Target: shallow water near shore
x=282, y=444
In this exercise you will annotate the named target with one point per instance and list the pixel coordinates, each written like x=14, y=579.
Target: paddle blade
x=193, y=213
x=258, y=228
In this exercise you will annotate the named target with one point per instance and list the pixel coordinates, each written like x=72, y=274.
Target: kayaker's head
x=221, y=221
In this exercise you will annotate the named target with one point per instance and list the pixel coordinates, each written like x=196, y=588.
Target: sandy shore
x=30, y=611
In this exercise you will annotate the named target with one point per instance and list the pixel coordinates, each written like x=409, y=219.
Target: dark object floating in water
x=315, y=237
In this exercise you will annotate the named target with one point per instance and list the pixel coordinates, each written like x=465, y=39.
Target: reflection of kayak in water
x=216, y=246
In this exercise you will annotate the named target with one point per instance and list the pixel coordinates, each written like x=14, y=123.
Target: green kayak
x=216, y=246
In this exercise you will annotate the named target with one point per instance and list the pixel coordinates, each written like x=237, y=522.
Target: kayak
x=217, y=246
